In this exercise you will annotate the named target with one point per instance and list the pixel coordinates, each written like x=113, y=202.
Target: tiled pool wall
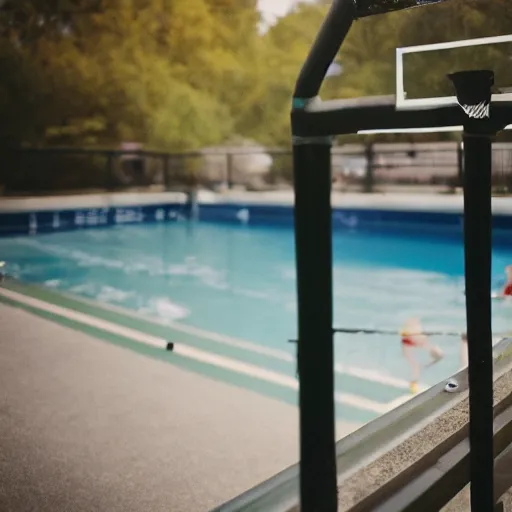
x=30, y=217
x=45, y=221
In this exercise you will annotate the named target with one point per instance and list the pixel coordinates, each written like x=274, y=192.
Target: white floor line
x=375, y=376
x=234, y=342
x=362, y=373
x=187, y=351
x=84, y=319
x=188, y=329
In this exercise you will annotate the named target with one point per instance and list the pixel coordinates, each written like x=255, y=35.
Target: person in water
x=413, y=338
x=507, y=289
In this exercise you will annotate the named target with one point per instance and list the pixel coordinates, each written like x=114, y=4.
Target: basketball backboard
x=417, y=89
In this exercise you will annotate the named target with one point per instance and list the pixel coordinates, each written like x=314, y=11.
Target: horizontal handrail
x=348, y=116
x=443, y=474
x=373, y=440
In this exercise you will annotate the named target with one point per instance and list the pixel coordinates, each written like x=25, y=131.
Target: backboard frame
x=402, y=103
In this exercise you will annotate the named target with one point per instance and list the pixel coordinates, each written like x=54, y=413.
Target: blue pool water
x=240, y=281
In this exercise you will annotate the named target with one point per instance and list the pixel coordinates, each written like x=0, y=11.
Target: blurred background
x=116, y=94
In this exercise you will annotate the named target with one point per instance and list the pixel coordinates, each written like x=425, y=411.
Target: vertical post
x=460, y=163
x=229, y=162
x=166, y=172
x=313, y=248
x=110, y=171
x=192, y=204
x=368, y=177
x=477, y=257
x=507, y=157
x=473, y=89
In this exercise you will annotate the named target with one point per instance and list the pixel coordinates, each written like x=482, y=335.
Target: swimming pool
x=238, y=280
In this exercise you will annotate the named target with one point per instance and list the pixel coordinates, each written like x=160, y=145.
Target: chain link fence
x=379, y=167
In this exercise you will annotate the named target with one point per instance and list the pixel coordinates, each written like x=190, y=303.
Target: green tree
x=181, y=74
x=285, y=46
x=156, y=71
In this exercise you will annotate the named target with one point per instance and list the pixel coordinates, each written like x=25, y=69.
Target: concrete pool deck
x=391, y=201
x=267, y=370
x=89, y=426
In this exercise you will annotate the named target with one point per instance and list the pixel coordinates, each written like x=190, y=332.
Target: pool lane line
x=186, y=351
x=361, y=373
x=375, y=376
x=351, y=371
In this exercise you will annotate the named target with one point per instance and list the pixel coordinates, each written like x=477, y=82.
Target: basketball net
x=474, y=94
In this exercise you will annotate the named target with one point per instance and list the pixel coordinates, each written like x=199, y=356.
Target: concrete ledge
x=390, y=451
x=394, y=213
x=443, y=203
x=383, y=483
x=394, y=202
x=83, y=201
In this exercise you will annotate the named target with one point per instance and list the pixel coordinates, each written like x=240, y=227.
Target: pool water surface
x=239, y=281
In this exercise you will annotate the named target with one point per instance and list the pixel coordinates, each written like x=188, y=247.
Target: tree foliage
x=181, y=74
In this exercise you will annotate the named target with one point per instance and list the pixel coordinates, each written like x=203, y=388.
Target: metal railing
x=426, y=483
x=434, y=167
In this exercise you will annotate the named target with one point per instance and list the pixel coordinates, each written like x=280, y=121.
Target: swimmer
x=412, y=338
x=507, y=290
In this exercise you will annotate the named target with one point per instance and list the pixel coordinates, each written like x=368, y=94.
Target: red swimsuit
x=508, y=289
x=407, y=340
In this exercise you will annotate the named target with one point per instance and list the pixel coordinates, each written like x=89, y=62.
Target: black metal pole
x=313, y=239
x=167, y=185
x=460, y=164
x=325, y=48
x=477, y=255
x=229, y=163
x=368, y=177
x=110, y=171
